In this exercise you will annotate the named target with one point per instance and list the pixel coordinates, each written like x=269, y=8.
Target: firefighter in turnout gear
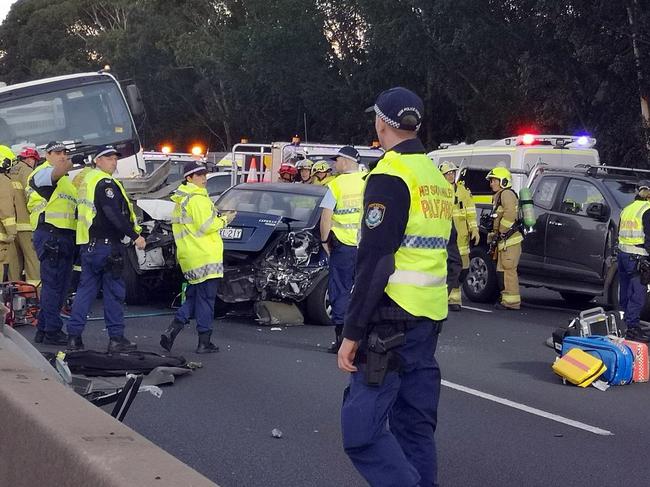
x=196, y=224
x=22, y=257
x=321, y=173
x=634, y=248
x=505, y=233
x=52, y=205
x=8, y=229
x=339, y=227
x=466, y=229
x=389, y=411
x=106, y=223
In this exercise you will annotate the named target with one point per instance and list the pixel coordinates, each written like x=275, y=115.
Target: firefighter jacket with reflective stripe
x=418, y=284
x=631, y=236
x=326, y=180
x=7, y=210
x=464, y=217
x=196, y=224
x=506, y=208
x=19, y=175
x=60, y=209
x=346, y=217
x=88, y=210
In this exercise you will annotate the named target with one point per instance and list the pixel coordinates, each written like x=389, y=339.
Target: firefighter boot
x=205, y=345
x=169, y=335
x=121, y=344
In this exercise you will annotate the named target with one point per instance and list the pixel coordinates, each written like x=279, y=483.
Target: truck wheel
x=318, y=305
x=481, y=282
x=577, y=299
x=135, y=291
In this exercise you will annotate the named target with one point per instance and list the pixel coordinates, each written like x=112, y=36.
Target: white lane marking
x=528, y=409
x=476, y=309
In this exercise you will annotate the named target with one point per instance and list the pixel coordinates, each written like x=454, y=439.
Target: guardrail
x=49, y=435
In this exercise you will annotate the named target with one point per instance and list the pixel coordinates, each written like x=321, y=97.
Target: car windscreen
x=92, y=114
x=293, y=205
x=623, y=191
x=218, y=184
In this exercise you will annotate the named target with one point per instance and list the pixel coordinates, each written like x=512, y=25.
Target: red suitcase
x=640, y=368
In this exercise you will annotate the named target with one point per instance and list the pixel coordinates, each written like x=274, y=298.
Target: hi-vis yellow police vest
x=59, y=209
x=346, y=218
x=418, y=284
x=196, y=224
x=87, y=209
x=630, y=230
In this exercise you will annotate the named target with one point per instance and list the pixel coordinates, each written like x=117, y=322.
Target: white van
x=519, y=154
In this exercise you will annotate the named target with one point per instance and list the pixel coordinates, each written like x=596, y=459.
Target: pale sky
x=5, y=5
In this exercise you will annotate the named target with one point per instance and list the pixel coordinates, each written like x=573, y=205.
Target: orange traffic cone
x=267, y=175
x=252, y=172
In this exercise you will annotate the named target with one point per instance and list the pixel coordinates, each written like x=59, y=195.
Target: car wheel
x=577, y=299
x=481, y=282
x=135, y=291
x=318, y=305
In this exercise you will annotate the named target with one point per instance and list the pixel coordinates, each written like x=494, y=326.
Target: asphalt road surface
x=504, y=418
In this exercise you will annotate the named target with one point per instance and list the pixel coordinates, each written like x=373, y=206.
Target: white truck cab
x=519, y=154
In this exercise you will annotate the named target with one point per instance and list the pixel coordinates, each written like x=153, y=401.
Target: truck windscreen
x=88, y=114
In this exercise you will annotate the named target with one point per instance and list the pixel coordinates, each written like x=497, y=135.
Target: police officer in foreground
x=22, y=253
x=52, y=205
x=106, y=223
x=397, y=306
x=466, y=228
x=634, y=248
x=339, y=226
x=196, y=223
x=506, y=237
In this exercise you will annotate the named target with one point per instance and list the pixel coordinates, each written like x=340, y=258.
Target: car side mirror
x=598, y=211
x=135, y=100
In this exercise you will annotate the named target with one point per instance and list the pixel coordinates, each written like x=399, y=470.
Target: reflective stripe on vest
x=87, y=208
x=418, y=284
x=346, y=218
x=630, y=231
x=60, y=209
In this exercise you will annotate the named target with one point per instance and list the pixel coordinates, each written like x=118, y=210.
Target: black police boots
x=40, y=334
x=75, y=343
x=334, y=347
x=205, y=345
x=169, y=335
x=54, y=338
x=120, y=344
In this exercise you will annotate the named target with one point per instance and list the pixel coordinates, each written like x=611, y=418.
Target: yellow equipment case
x=579, y=368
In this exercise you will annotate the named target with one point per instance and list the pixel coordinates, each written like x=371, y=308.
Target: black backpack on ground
x=101, y=364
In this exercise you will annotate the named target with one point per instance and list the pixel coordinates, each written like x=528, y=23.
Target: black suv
x=572, y=248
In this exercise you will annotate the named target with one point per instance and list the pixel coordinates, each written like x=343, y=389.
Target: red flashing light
x=527, y=139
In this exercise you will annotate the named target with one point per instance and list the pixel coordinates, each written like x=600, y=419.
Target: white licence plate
x=231, y=233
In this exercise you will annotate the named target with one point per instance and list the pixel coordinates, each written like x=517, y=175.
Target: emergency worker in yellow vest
x=634, y=247
x=505, y=232
x=52, y=205
x=339, y=227
x=196, y=224
x=8, y=229
x=397, y=307
x=321, y=173
x=106, y=225
x=22, y=254
x=466, y=228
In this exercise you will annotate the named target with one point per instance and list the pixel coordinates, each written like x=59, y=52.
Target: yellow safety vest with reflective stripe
x=60, y=209
x=630, y=230
x=196, y=224
x=87, y=208
x=346, y=216
x=464, y=217
x=418, y=284
x=503, y=224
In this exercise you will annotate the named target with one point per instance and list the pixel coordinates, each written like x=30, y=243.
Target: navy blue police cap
x=400, y=108
x=193, y=167
x=106, y=150
x=55, y=146
x=348, y=152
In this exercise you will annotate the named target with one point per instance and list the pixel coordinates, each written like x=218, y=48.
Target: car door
x=545, y=191
x=575, y=242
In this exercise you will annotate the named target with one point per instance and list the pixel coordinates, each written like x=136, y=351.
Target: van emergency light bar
x=530, y=140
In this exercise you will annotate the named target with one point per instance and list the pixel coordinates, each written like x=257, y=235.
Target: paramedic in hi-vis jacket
x=634, y=246
x=466, y=230
x=505, y=233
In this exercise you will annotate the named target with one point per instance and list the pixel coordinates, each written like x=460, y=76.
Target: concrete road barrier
x=51, y=436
